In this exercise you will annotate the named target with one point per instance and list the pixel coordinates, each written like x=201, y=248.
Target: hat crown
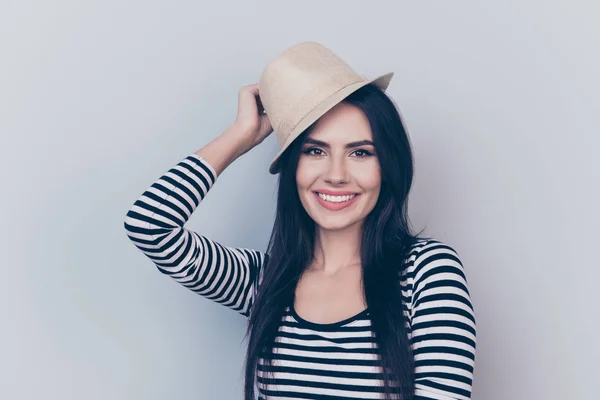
x=296, y=81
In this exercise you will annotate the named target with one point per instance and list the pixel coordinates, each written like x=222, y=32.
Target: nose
x=337, y=171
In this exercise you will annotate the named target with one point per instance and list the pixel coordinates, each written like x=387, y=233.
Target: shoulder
x=433, y=262
x=431, y=253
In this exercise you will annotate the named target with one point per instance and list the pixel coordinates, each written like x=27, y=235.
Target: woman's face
x=338, y=174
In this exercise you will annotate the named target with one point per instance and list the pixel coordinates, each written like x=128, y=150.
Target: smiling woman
x=334, y=161
x=346, y=302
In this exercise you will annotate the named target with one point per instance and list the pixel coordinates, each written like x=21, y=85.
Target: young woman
x=346, y=303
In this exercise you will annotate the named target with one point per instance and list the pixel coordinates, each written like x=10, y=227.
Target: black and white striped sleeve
x=443, y=325
x=155, y=225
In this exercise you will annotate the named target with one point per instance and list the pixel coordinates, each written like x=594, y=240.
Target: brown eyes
x=315, y=151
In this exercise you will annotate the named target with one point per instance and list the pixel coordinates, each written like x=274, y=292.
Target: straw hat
x=301, y=84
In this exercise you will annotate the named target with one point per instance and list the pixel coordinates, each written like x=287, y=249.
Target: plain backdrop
x=99, y=98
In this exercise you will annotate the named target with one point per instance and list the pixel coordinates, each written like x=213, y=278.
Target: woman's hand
x=251, y=120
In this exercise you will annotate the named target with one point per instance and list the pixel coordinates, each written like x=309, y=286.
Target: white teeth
x=335, y=199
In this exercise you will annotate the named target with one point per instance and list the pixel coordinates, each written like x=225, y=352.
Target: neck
x=336, y=250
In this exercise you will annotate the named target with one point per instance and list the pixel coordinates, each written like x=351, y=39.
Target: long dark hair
x=385, y=244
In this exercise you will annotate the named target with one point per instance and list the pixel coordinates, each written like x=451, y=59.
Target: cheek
x=368, y=177
x=305, y=176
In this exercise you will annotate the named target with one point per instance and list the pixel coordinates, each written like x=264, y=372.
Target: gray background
x=99, y=98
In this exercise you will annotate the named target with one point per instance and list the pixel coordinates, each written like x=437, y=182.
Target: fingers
x=253, y=88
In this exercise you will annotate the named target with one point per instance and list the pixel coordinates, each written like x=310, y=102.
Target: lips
x=338, y=205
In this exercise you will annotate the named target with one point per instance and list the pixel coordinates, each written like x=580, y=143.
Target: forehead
x=343, y=123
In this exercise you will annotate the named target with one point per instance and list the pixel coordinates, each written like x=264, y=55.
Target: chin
x=335, y=222
x=332, y=226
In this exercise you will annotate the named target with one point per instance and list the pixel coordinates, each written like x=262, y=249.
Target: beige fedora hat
x=301, y=84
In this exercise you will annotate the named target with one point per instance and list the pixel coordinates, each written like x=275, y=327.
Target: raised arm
x=155, y=222
x=443, y=325
x=155, y=225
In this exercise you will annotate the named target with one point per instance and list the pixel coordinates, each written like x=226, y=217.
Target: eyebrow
x=347, y=146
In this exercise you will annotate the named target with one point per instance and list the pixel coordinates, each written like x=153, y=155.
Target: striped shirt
x=313, y=360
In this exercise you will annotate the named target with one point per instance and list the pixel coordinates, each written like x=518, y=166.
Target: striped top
x=313, y=360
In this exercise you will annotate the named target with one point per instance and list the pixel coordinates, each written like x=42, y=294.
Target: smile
x=335, y=203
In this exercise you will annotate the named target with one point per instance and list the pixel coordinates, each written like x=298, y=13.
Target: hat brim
x=381, y=81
